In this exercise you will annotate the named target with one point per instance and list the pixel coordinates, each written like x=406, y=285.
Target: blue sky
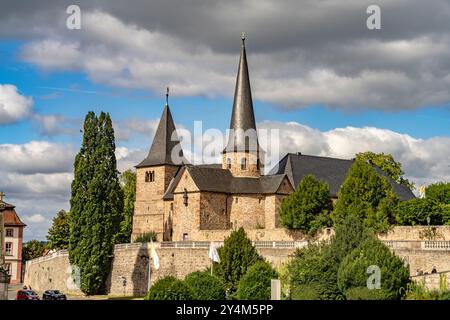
x=331, y=91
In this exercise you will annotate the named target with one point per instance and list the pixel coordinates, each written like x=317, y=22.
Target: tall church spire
x=242, y=117
x=242, y=155
x=165, y=142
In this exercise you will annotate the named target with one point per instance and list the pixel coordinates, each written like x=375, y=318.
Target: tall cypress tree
x=96, y=203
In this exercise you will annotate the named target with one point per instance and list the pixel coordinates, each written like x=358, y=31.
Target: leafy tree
x=438, y=192
x=388, y=165
x=416, y=211
x=33, y=249
x=96, y=203
x=169, y=288
x=59, y=233
x=367, y=195
x=353, y=276
x=204, y=286
x=255, y=284
x=236, y=255
x=308, y=207
x=128, y=184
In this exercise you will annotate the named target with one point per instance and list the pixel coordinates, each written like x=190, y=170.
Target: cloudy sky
x=332, y=86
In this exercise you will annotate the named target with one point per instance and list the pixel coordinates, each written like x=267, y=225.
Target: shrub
x=309, y=291
x=169, y=288
x=353, y=271
x=255, y=284
x=363, y=293
x=146, y=237
x=204, y=286
x=308, y=207
x=236, y=255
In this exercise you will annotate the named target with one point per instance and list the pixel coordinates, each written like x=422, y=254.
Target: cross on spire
x=167, y=96
x=2, y=195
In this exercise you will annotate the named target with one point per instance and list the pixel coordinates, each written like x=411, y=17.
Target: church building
x=184, y=202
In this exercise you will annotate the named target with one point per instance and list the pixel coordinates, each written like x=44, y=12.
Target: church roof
x=10, y=217
x=330, y=170
x=165, y=140
x=242, y=117
x=213, y=178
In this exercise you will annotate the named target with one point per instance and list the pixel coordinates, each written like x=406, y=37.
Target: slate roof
x=213, y=178
x=242, y=116
x=330, y=170
x=165, y=140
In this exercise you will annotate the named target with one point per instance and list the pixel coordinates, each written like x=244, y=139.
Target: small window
x=149, y=176
x=257, y=164
x=185, y=237
x=8, y=249
x=229, y=163
x=243, y=163
x=10, y=232
x=171, y=206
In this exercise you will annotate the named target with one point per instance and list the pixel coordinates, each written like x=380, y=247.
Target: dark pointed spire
x=165, y=140
x=243, y=117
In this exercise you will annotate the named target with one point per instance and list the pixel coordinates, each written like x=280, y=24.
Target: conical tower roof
x=243, y=117
x=165, y=141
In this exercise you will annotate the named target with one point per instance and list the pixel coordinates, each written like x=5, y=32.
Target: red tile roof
x=10, y=217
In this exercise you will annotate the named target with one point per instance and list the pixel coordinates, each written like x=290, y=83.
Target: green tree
x=438, y=192
x=128, y=184
x=96, y=203
x=308, y=207
x=367, y=195
x=204, y=286
x=236, y=255
x=353, y=274
x=416, y=212
x=169, y=288
x=255, y=284
x=388, y=165
x=59, y=233
x=33, y=249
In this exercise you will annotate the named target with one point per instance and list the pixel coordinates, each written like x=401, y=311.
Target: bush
x=310, y=291
x=255, y=284
x=236, y=255
x=363, y=293
x=169, y=288
x=146, y=237
x=308, y=207
x=353, y=271
x=204, y=286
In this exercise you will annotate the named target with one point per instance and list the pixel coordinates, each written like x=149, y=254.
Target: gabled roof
x=242, y=117
x=165, y=140
x=330, y=170
x=10, y=217
x=213, y=178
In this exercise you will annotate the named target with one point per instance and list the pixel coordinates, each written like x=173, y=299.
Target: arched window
x=152, y=176
x=243, y=163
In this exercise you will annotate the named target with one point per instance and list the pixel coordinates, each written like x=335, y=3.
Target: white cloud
x=35, y=218
x=13, y=105
x=361, y=73
x=36, y=157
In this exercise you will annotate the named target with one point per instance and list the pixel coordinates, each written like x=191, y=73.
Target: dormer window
x=243, y=163
x=229, y=163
